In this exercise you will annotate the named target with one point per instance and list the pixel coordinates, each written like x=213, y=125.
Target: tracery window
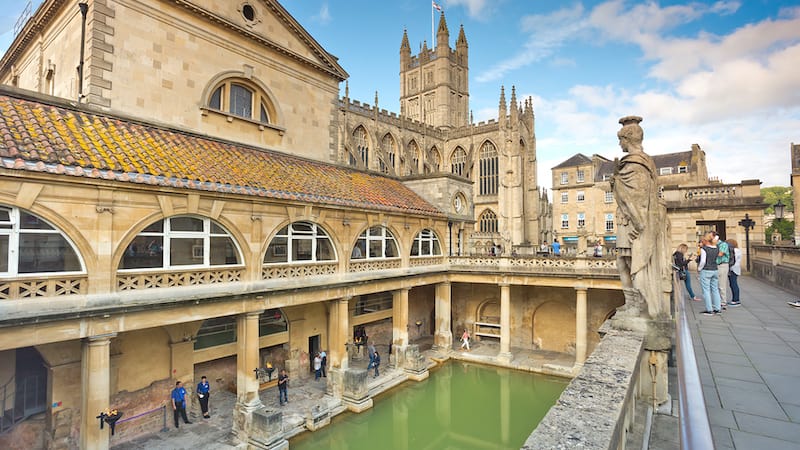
x=300, y=241
x=241, y=98
x=426, y=244
x=375, y=242
x=390, y=150
x=488, y=222
x=361, y=143
x=29, y=244
x=488, y=169
x=434, y=159
x=181, y=241
x=458, y=162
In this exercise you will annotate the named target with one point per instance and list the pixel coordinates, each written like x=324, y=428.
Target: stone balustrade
x=57, y=286
x=778, y=265
x=746, y=193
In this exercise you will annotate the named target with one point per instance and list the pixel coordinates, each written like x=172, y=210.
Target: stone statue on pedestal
x=642, y=226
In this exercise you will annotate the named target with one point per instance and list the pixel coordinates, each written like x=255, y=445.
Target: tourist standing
x=317, y=367
x=723, y=267
x=203, y=393
x=735, y=271
x=179, y=403
x=283, y=387
x=709, y=277
x=465, y=339
x=556, y=248
x=681, y=261
x=376, y=361
x=324, y=357
x=371, y=351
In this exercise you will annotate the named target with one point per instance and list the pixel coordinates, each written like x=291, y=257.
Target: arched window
x=29, y=244
x=434, y=160
x=426, y=244
x=458, y=161
x=361, y=144
x=272, y=321
x=488, y=222
x=488, y=166
x=375, y=242
x=216, y=331
x=179, y=242
x=389, y=147
x=241, y=98
x=300, y=242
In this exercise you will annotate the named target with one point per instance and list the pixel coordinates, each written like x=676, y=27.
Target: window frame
x=683, y=169
x=293, y=237
x=368, y=237
x=580, y=196
x=426, y=236
x=580, y=176
x=564, y=178
x=487, y=222
x=581, y=220
x=167, y=235
x=609, y=220
x=14, y=228
x=260, y=102
x=489, y=172
x=609, y=197
x=564, y=221
x=665, y=171
x=564, y=197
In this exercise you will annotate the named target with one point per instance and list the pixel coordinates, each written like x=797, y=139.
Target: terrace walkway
x=749, y=362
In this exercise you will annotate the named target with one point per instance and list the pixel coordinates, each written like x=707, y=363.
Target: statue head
x=631, y=134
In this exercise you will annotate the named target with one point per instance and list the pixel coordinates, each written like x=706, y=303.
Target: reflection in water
x=461, y=405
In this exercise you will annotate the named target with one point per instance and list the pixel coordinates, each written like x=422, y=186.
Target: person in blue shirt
x=556, y=248
x=179, y=403
x=203, y=393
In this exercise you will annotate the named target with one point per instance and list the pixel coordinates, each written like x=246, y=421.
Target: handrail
x=695, y=430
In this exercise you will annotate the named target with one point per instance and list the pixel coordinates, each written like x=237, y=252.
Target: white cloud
x=324, y=15
x=475, y=8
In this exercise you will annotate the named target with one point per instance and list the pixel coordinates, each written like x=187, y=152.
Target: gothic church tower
x=434, y=87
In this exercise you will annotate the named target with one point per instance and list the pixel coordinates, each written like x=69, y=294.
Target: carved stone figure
x=642, y=224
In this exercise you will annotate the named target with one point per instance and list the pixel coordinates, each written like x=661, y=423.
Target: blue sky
x=720, y=74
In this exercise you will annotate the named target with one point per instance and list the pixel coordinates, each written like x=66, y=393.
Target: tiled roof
x=578, y=160
x=673, y=159
x=40, y=137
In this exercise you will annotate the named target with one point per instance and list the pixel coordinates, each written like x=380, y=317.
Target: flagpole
x=432, y=41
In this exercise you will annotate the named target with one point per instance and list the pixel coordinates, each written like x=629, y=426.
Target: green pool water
x=460, y=406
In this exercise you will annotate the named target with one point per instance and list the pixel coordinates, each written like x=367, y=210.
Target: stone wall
x=595, y=411
x=779, y=266
x=143, y=410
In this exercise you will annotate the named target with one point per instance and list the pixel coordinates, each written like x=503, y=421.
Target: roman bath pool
x=460, y=406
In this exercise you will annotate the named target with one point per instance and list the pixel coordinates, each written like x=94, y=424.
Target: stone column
x=339, y=333
x=443, y=339
x=247, y=400
x=400, y=318
x=580, y=325
x=505, y=323
x=96, y=390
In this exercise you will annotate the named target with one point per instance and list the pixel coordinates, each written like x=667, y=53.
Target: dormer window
x=665, y=171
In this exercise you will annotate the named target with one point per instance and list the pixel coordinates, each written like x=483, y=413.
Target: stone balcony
x=743, y=195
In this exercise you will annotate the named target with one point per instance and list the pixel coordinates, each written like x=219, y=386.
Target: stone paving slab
x=749, y=362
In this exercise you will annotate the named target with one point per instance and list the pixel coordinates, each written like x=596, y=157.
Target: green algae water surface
x=461, y=406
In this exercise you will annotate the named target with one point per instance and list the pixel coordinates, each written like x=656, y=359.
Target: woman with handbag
x=680, y=262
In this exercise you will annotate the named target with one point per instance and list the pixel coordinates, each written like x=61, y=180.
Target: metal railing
x=695, y=430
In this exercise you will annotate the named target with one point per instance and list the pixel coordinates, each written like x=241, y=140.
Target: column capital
x=445, y=283
x=403, y=289
x=100, y=339
x=504, y=284
x=250, y=314
x=581, y=288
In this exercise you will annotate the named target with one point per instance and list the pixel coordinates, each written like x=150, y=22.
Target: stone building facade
x=584, y=208
x=794, y=150
x=201, y=201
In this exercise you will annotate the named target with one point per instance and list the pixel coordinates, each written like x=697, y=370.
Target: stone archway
x=554, y=327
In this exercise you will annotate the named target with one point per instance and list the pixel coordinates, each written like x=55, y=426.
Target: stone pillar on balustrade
x=643, y=255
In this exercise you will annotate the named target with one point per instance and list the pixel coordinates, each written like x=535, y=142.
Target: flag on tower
x=436, y=6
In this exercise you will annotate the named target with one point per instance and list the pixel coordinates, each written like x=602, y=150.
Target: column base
x=243, y=419
x=357, y=406
x=505, y=357
x=318, y=418
x=417, y=375
x=443, y=340
x=266, y=430
x=355, y=392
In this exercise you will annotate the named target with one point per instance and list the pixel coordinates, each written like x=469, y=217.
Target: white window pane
x=184, y=252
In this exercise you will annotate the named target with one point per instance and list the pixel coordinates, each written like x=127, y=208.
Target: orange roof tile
x=41, y=137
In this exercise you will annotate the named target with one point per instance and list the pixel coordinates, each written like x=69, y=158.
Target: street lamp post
x=748, y=225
